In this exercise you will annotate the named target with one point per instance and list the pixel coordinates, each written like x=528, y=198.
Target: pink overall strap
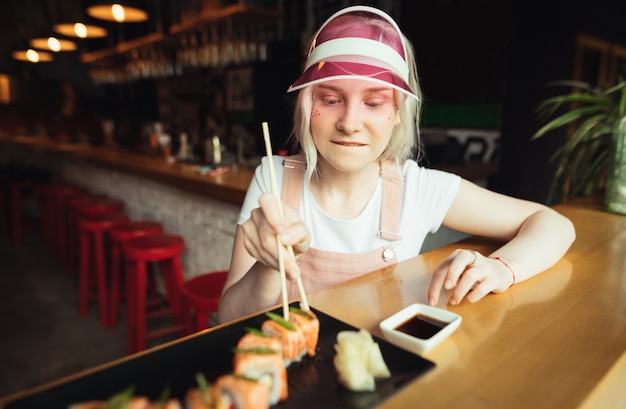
x=391, y=201
x=293, y=178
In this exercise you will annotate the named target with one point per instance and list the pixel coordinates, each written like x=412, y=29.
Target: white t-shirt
x=428, y=194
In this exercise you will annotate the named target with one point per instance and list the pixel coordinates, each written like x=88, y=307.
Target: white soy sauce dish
x=419, y=327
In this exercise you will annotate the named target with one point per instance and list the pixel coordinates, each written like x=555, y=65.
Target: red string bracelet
x=507, y=266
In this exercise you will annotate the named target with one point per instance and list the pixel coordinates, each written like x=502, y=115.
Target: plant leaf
x=570, y=83
x=565, y=119
x=548, y=107
x=591, y=128
x=583, y=158
x=621, y=110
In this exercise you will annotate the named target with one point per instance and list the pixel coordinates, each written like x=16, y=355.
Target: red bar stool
x=119, y=235
x=19, y=191
x=92, y=232
x=51, y=223
x=166, y=250
x=72, y=207
x=200, y=298
x=61, y=242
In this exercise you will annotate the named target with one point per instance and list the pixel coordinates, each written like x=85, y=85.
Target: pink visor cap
x=346, y=47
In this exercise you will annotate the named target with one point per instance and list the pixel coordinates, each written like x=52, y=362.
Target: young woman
x=355, y=200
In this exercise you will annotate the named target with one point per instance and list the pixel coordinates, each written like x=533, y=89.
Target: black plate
x=312, y=382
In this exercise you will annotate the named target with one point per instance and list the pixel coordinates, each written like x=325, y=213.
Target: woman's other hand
x=467, y=273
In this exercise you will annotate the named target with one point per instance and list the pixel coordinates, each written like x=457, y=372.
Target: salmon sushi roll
x=166, y=404
x=310, y=326
x=204, y=398
x=257, y=339
x=237, y=392
x=266, y=366
x=294, y=342
x=130, y=402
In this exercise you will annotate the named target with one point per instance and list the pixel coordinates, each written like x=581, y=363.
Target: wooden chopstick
x=281, y=262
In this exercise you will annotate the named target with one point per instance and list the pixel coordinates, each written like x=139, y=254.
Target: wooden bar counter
x=228, y=187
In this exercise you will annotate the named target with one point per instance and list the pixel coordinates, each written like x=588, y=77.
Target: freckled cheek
x=316, y=120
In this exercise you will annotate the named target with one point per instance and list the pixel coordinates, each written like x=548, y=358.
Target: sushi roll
x=238, y=392
x=266, y=366
x=255, y=338
x=133, y=402
x=308, y=322
x=126, y=399
x=166, y=404
x=204, y=398
x=294, y=342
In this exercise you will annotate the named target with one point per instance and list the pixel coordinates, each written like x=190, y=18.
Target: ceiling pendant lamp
x=118, y=12
x=80, y=30
x=53, y=44
x=33, y=56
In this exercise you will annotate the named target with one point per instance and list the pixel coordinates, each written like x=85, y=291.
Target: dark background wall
x=483, y=51
x=540, y=49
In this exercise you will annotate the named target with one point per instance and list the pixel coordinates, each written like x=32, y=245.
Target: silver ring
x=475, y=257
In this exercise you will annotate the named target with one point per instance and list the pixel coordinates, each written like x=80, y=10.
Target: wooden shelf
x=238, y=12
x=121, y=48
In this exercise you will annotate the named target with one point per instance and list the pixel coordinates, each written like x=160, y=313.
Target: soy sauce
x=421, y=326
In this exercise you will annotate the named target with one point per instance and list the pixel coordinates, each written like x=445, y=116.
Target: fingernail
x=285, y=237
x=432, y=301
x=453, y=301
x=449, y=284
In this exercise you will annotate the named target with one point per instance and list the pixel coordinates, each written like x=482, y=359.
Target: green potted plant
x=593, y=157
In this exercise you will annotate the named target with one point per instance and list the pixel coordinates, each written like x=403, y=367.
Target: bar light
x=53, y=44
x=33, y=56
x=117, y=12
x=80, y=30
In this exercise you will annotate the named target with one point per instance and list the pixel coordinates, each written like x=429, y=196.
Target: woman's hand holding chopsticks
x=273, y=237
x=260, y=235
